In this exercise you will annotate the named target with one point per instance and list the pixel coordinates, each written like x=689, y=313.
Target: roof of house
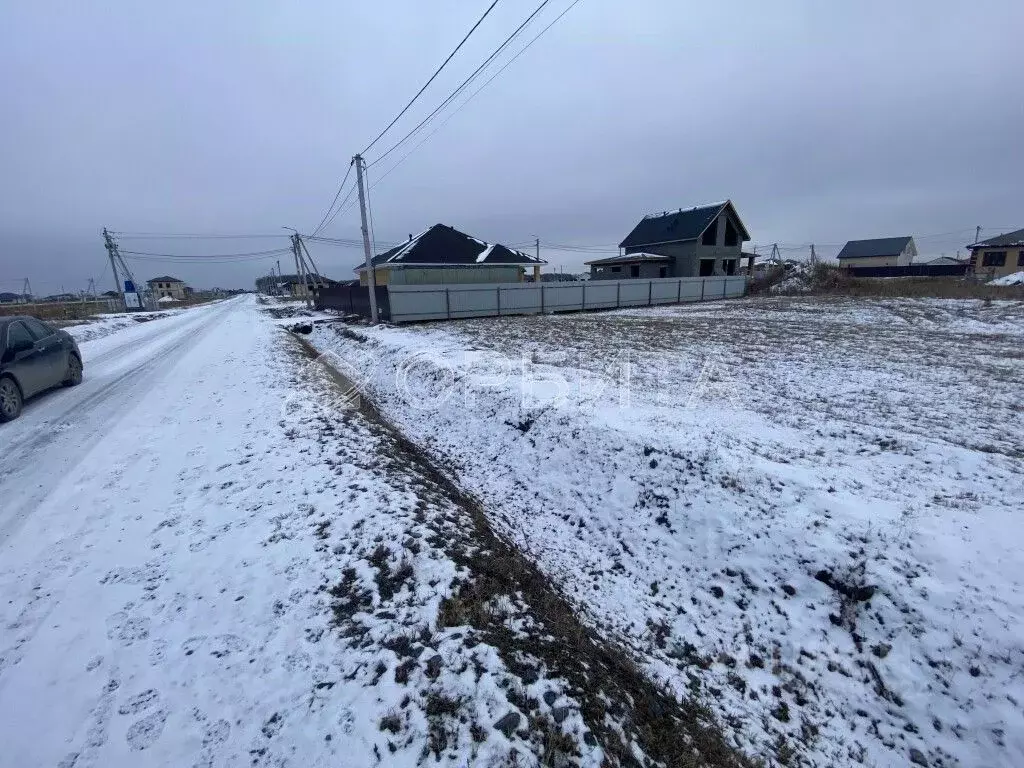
x=442, y=245
x=880, y=246
x=628, y=258
x=678, y=226
x=1009, y=238
x=165, y=279
x=945, y=260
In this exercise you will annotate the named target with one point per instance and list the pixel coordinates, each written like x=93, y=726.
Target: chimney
x=410, y=237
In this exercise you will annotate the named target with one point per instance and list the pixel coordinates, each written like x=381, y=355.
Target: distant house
x=945, y=261
x=294, y=287
x=1000, y=255
x=168, y=287
x=879, y=252
x=443, y=254
x=693, y=242
x=10, y=298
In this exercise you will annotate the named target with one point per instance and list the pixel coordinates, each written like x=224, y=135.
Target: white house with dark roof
x=443, y=254
x=879, y=252
x=701, y=241
x=167, y=287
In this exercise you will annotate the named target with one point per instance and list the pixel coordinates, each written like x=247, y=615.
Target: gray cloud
x=822, y=121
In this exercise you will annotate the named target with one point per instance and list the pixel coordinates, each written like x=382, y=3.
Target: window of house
x=710, y=236
x=729, y=265
x=663, y=272
x=732, y=237
x=634, y=270
x=707, y=267
x=994, y=259
x=616, y=270
x=1020, y=259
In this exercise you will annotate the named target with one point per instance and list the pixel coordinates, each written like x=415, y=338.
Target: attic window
x=732, y=237
x=710, y=236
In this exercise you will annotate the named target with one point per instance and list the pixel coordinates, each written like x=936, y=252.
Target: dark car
x=34, y=357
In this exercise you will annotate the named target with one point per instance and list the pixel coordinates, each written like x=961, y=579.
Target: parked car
x=34, y=357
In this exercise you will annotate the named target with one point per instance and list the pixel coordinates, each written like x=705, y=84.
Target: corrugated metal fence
x=911, y=270
x=410, y=303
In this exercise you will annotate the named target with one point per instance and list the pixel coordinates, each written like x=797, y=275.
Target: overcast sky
x=822, y=121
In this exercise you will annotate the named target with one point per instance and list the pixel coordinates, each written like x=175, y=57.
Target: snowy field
x=208, y=558
x=806, y=513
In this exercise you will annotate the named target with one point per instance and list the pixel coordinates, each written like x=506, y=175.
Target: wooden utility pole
x=977, y=233
x=111, y=251
x=370, y=277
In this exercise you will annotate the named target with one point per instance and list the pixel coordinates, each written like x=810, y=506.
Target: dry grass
x=831, y=280
x=619, y=703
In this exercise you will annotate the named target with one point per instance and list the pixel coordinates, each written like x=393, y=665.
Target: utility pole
x=814, y=256
x=977, y=233
x=370, y=277
x=300, y=268
x=537, y=244
x=111, y=250
x=277, y=283
x=312, y=268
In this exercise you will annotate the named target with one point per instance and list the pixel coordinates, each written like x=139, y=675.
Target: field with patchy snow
x=803, y=512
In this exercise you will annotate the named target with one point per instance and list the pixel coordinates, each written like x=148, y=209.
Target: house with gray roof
x=701, y=241
x=879, y=252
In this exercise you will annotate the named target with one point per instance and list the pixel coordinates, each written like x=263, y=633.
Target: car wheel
x=10, y=399
x=74, y=372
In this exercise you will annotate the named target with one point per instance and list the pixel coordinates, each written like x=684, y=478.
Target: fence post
x=499, y=301
x=447, y=304
x=542, y=298
x=584, y=296
x=725, y=285
x=650, y=293
x=703, y=282
x=679, y=293
x=618, y=294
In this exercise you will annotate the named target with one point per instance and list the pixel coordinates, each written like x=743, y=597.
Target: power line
x=464, y=83
x=432, y=77
x=336, y=196
x=187, y=235
x=474, y=94
x=343, y=207
x=164, y=260
x=207, y=256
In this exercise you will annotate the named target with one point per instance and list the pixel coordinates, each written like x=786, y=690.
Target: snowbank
x=104, y=325
x=1017, y=278
x=803, y=512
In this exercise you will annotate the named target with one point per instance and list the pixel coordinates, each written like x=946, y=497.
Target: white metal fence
x=409, y=303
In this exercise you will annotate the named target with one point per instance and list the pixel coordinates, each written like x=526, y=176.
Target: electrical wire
x=341, y=208
x=474, y=94
x=454, y=94
x=432, y=77
x=335, y=200
x=187, y=235
x=369, y=212
x=275, y=251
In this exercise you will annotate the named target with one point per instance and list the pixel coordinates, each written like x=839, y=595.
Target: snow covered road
x=207, y=560
x=57, y=428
